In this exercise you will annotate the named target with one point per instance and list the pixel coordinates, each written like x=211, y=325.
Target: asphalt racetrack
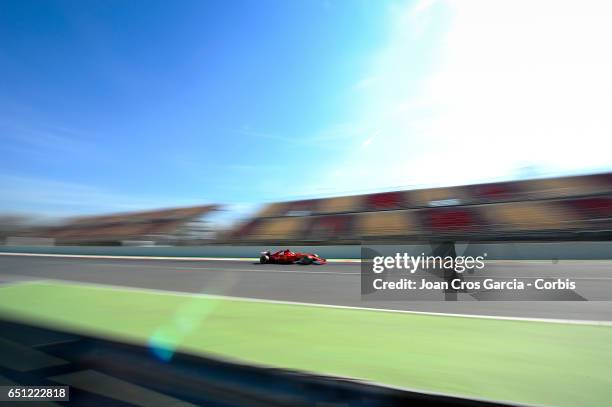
x=331, y=284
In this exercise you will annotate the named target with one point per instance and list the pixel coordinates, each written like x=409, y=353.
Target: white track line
x=268, y=270
x=103, y=256
x=219, y=270
x=308, y=304
x=316, y=271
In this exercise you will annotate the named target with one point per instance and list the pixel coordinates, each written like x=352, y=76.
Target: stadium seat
x=330, y=227
x=563, y=187
x=605, y=180
x=245, y=230
x=596, y=208
x=386, y=223
x=278, y=228
x=530, y=216
x=274, y=209
x=440, y=220
x=438, y=196
x=308, y=206
x=166, y=227
x=341, y=204
x=384, y=201
x=494, y=192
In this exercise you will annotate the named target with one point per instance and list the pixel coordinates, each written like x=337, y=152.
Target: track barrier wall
x=495, y=251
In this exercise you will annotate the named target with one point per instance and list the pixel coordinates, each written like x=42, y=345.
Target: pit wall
x=495, y=251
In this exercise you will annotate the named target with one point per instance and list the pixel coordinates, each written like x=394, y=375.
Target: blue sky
x=111, y=105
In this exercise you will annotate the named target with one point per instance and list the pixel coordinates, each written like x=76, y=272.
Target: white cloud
x=525, y=82
x=503, y=86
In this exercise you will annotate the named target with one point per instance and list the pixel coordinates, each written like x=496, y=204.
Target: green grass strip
x=519, y=361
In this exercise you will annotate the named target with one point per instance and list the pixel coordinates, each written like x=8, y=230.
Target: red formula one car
x=289, y=257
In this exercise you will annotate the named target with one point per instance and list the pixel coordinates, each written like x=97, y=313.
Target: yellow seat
x=526, y=216
x=340, y=204
x=386, y=223
x=278, y=228
x=274, y=209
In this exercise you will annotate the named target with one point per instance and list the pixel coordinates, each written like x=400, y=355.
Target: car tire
x=306, y=260
x=264, y=259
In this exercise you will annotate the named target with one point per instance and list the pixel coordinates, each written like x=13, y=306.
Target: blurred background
x=430, y=111
x=568, y=208
x=150, y=150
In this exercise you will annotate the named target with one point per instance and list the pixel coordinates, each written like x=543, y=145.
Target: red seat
x=384, y=201
x=330, y=226
x=593, y=208
x=450, y=219
x=498, y=191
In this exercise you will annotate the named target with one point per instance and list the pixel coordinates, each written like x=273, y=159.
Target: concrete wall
x=344, y=252
x=495, y=251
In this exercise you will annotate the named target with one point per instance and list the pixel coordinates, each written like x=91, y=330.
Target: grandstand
x=164, y=225
x=577, y=207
